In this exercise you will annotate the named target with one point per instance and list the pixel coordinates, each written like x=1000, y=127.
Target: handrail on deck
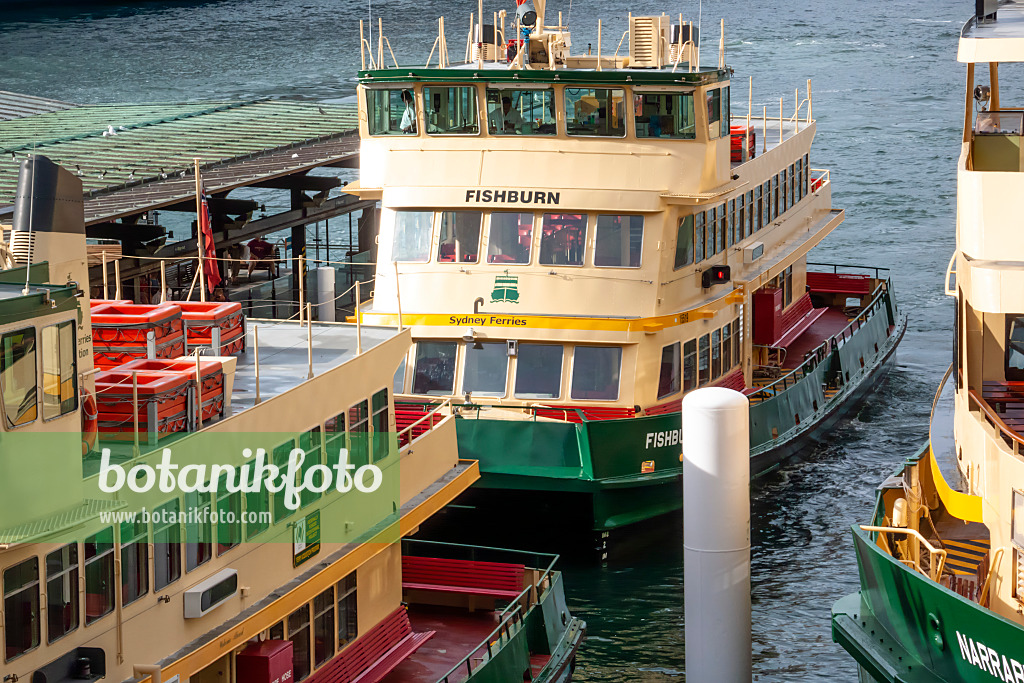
x=428, y=415
x=836, y=266
x=934, y=569
x=1016, y=441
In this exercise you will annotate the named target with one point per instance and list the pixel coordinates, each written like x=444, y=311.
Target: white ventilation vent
x=23, y=247
x=645, y=37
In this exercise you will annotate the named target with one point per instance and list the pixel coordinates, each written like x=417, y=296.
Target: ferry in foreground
x=111, y=576
x=579, y=239
x=942, y=570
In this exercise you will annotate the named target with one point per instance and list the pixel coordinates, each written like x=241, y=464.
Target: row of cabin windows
x=19, y=373
x=703, y=360
x=618, y=241
x=703, y=234
x=602, y=112
x=334, y=624
x=534, y=372
x=366, y=438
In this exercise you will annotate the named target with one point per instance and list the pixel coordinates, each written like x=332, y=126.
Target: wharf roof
x=15, y=105
x=1001, y=40
x=137, y=157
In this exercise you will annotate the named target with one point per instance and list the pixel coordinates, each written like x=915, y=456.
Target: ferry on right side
x=941, y=567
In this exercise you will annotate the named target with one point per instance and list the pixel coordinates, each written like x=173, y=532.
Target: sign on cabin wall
x=306, y=538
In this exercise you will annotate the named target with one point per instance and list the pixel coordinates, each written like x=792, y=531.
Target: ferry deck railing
x=937, y=556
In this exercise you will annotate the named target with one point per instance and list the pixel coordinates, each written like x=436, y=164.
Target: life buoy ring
x=90, y=421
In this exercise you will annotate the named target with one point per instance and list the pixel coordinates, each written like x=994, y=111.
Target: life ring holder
x=90, y=420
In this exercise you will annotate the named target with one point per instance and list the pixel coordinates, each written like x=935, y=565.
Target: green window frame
x=198, y=529
x=700, y=239
x=134, y=548
x=166, y=544
x=385, y=111
x=99, y=575
x=595, y=112
x=451, y=110
x=530, y=111
x=664, y=115
x=21, y=598
x=60, y=370
x=62, y=603
x=714, y=105
x=18, y=376
x=281, y=456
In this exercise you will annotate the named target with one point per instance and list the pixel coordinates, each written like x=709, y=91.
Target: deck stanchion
x=359, y=324
x=808, y=100
x=469, y=38
x=309, y=340
x=764, y=135
x=716, y=533
x=750, y=104
x=598, y=45
x=135, y=413
x=780, y=120
x=117, y=278
x=256, y=357
x=199, y=392
x=106, y=286
x=721, y=47
x=163, y=281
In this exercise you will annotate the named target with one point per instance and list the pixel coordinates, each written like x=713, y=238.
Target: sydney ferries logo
x=506, y=289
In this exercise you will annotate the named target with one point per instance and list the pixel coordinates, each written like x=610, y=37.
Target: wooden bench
x=466, y=577
x=839, y=283
x=590, y=413
x=797, y=318
x=373, y=655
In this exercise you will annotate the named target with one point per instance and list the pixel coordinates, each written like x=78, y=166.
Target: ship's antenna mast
x=700, y=36
x=568, y=20
x=369, y=20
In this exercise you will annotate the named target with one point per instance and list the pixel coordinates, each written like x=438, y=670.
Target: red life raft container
x=211, y=385
x=736, y=136
x=218, y=325
x=124, y=332
x=162, y=402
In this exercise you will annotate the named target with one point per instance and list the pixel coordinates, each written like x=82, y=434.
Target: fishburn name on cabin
x=513, y=196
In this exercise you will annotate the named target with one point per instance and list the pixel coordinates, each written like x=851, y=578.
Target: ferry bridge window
x=412, y=236
x=1015, y=347
x=726, y=120
x=134, y=562
x=62, y=592
x=736, y=340
x=229, y=517
x=716, y=354
x=668, y=377
x=595, y=372
x=18, y=376
x=510, y=237
x=99, y=575
x=684, y=242
x=538, y=371
x=619, y=241
x=521, y=112
x=348, y=618
x=398, y=382
x=590, y=111
x=298, y=633
x=727, y=348
x=359, y=433
x=381, y=428
x=451, y=111
x=699, y=237
x=310, y=443
x=198, y=530
x=323, y=627
x=486, y=369
x=664, y=115
x=690, y=365
x=59, y=377
x=460, y=237
x=166, y=545
x=714, y=103
x=386, y=112
x=704, y=361
x=562, y=238
x=21, y=608
x=434, y=372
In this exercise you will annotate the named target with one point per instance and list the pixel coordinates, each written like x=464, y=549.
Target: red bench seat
x=590, y=413
x=376, y=653
x=838, y=283
x=466, y=577
x=797, y=318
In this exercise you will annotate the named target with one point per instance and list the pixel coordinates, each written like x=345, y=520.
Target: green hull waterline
x=630, y=468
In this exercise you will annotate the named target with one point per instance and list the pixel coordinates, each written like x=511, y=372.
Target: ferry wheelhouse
x=202, y=581
x=578, y=239
x=942, y=568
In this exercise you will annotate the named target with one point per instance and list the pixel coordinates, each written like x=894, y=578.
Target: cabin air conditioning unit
x=645, y=34
x=205, y=596
x=753, y=252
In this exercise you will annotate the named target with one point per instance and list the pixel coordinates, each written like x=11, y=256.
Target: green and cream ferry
x=577, y=240
x=942, y=568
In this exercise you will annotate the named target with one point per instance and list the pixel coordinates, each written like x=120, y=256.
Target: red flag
x=210, y=268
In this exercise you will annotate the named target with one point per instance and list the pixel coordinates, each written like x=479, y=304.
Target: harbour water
x=887, y=97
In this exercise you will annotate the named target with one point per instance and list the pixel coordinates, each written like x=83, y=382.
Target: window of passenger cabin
x=711, y=230
x=739, y=218
x=726, y=114
x=799, y=179
x=783, y=205
x=411, y=242
x=134, y=561
x=792, y=185
x=311, y=443
x=359, y=434
x=281, y=455
x=386, y=112
x=723, y=226
x=590, y=111
x=323, y=627
x=60, y=391
x=298, y=633
x=595, y=372
x=99, y=575
x=460, y=237
x=1014, y=347
x=690, y=365
x=1017, y=519
x=714, y=100
x=18, y=376
x=684, y=242
x=736, y=341
x=434, y=371
x=733, y=220
x=62, y=592
x=198, y=533
x=256, y=504
x=807, y=175
x=766, y=204
x=21, y=608
x=229, y=517
x=787, y=286
x=776, y=204
x=699, y=237
x=539, y=371
x=379, y=418
x=511, y=238
x=166, y=545
x=398, y=382
x=451, y=111
x=619, y=241
x=348, y=617
x=664, y=115
x=486, y=369
x=704, y=361
x=758, y=214
x=749, y=222
x=668, y=377
x=521, y=112
x=562, y=239
x=726, y=348
x=716, y=354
